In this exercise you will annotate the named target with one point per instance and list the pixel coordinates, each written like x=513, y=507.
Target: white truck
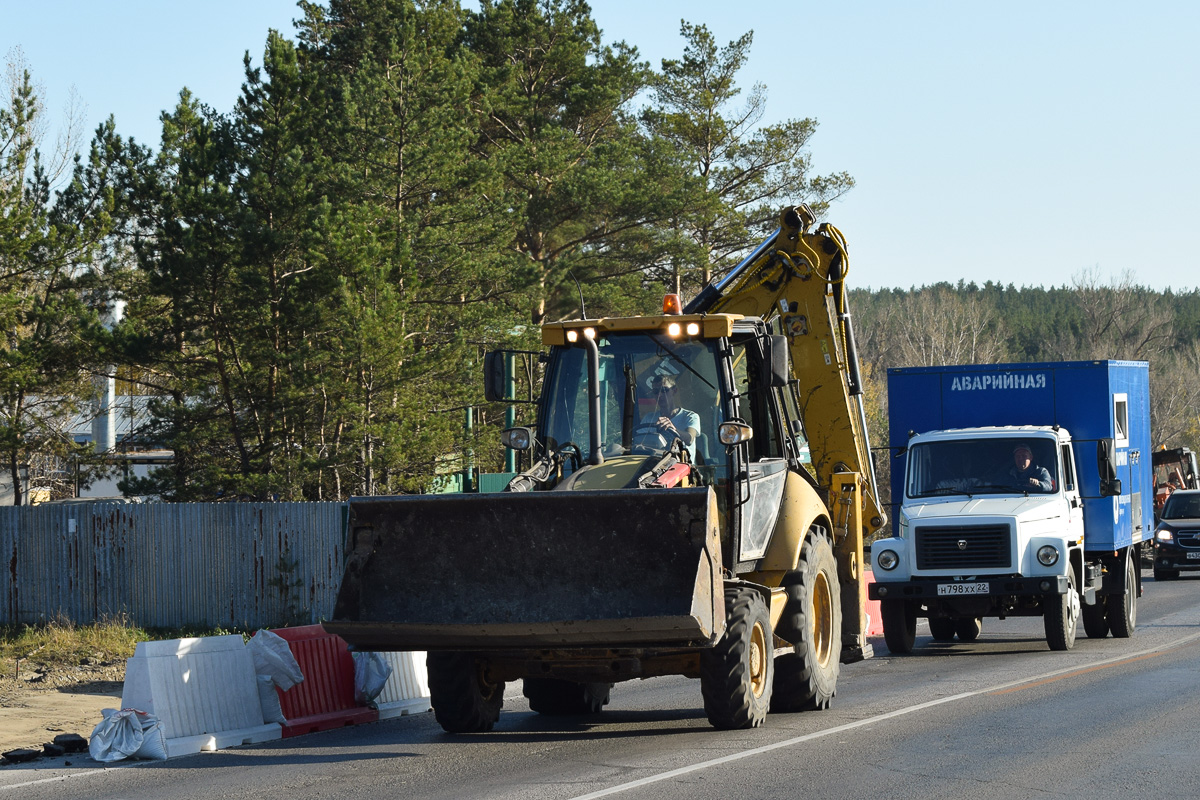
x=1026, y=490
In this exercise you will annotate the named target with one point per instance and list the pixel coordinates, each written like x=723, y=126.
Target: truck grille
x=963, y=547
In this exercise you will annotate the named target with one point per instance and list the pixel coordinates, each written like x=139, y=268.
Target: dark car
x=1177, y=539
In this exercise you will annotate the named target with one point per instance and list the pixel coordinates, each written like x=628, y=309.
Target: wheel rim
x=822, y=619
x=1130, y=592
x=758, y=659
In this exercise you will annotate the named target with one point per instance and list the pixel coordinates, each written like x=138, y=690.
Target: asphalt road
x=1000, y=718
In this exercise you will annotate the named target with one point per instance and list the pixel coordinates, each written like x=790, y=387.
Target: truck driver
x=1027, y=475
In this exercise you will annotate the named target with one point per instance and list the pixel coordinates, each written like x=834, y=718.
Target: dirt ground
x=35, y=706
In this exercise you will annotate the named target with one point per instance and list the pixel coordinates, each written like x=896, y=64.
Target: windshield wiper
x=672, y=354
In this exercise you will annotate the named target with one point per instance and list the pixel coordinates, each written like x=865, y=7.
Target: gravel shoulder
x=37, y=706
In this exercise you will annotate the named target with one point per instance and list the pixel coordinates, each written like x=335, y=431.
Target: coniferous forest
x=302, y=287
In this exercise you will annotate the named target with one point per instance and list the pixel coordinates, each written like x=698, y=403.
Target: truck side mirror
x=775, y=365
x=1110, y=484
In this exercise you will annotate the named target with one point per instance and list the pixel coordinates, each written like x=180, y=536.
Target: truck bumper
x=928, y=588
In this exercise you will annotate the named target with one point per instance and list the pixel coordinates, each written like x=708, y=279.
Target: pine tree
x=580, y=185
x=744, y=172
x=53, y=254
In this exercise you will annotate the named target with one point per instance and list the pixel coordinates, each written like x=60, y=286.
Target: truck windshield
x=632, y=365
x=982, y=466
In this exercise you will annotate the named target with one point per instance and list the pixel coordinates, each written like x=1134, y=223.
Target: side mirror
x=776, y=372
x=494, y=383
x=1110, y=488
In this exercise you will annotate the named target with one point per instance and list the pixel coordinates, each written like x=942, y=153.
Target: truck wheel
x=942, y=629
x=1122, y=608
x=968, y=628
x=1095, y=619
x=463, y=700
x=736, y=673
x=899, y=625
x=806, y=679
x=553, y=696
x=1062, y=615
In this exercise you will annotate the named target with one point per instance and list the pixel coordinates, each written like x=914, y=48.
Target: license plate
x=1195, y=554
x=966, y=588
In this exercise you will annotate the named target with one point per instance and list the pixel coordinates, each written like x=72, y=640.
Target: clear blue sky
x=1018, y=142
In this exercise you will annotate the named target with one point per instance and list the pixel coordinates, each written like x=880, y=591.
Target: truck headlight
x=1047, y=555
x=887, y=559
x=1164, y=535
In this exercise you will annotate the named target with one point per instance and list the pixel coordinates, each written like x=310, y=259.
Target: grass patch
x=64, y=644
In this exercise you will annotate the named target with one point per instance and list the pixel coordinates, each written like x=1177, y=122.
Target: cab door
x=1070, y=489
x=760, y=464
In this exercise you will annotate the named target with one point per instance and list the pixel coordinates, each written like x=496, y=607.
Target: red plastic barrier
x=874, y=617
x=325, y=698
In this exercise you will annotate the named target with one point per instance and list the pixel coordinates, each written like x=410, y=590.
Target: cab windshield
x=632, y=365
x=982, y=466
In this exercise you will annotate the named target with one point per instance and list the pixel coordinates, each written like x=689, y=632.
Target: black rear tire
x=806, y=679
x=899, y=625
x=1165, y=574
x=1095, y=619
x=463, y=699
x=736, y=673
x=1060, y=615
x=968, y=628
x=1122, y=608
x=553, y=696
x=942, y=629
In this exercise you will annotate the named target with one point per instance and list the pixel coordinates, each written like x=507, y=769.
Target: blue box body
x=1076, y=395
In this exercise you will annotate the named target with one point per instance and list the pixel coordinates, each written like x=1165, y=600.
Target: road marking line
x=65, y=777
x=999, y=689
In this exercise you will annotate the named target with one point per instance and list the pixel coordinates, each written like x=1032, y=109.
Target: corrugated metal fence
x=236, y=565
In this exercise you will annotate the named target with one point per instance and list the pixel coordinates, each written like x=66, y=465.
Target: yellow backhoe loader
x=706, y=545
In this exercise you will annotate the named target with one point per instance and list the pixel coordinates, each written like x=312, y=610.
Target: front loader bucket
x=625, y=568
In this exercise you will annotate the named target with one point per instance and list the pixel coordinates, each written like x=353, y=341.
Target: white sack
x=273, y=658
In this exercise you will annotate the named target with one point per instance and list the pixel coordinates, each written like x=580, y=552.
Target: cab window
x=753, y=403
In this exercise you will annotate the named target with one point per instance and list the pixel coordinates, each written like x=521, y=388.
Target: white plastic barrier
x=203, y=690
x=407, y=690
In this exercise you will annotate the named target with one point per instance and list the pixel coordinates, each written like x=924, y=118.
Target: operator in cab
x=1027, y=475
x=671, y=420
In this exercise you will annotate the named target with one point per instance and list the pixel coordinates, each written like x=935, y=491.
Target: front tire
x=899, y=625
x=736, y=673
x=1122, y=608
x=1062, y=615
x=463, y=699
x=806, y=679
x=555, y=697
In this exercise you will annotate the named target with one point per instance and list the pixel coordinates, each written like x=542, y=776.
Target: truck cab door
x=760, y=464
x=1070, y=489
